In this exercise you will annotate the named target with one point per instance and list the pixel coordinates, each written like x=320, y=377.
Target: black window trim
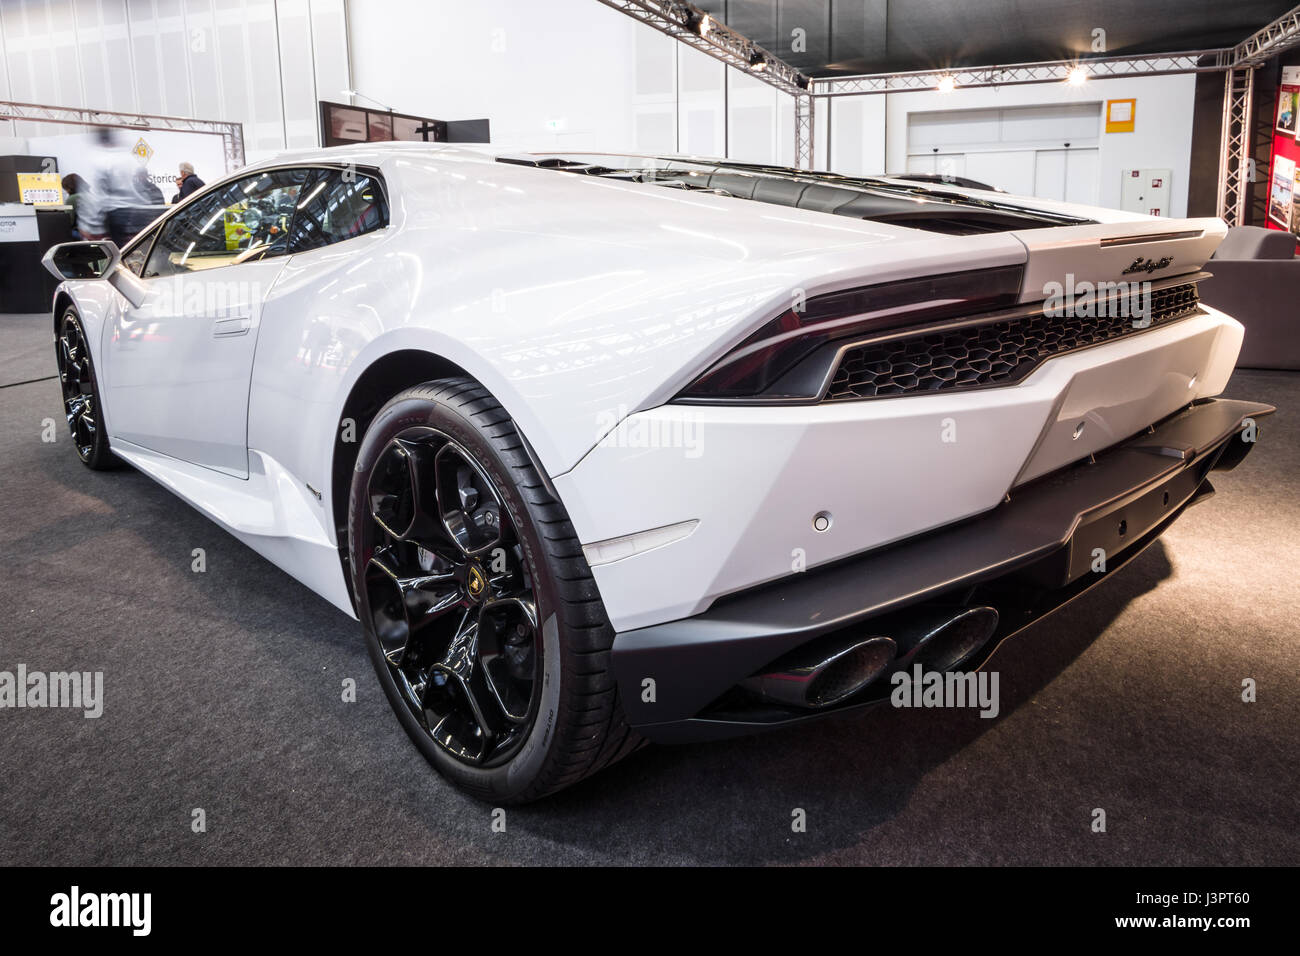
x=151, y=234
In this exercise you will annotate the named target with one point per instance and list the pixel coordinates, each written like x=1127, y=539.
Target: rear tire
x=478, y=607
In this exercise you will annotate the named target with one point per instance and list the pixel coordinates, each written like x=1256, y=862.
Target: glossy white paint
x=885, y=470
x=1074, y=251
x=179, y=364
x=584, y=305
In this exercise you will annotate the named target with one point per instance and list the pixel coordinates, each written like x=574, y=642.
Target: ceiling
x=887, y=36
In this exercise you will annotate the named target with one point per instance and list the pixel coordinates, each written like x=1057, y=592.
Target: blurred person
x=187, y=183
x=78, y=191
x=147, y=189
x=113, y=198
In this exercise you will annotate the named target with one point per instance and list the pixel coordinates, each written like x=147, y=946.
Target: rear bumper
x=1027, y=558
x=723, y=499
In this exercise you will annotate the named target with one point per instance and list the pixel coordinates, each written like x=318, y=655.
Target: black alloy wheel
x=478, y=608
x=451, y=597
x=81, y=405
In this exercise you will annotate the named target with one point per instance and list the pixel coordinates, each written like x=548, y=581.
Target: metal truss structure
x=1235, y=172
x=804, y=110
x=232, y=134
x=689, y=24
x=1282, y=34
x=1053, y=71
x=1236, y=161
x=694, y=27
x=704, y=32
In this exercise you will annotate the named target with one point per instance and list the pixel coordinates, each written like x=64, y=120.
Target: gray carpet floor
x=223, y=693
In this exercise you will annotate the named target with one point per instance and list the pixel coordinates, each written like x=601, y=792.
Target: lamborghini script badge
x=476, y=583
x=1148, y=265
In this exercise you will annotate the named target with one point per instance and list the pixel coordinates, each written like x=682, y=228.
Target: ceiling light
x=1078, y=76
x=699, y=23
x=947, y=84
x=757, y=62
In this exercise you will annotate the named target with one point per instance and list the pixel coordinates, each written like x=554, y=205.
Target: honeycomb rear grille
x=980, y=356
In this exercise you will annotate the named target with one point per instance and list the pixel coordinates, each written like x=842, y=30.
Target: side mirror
x=94, y=260
x=82, y=260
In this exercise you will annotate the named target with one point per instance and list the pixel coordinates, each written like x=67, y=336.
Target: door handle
x=224, y=328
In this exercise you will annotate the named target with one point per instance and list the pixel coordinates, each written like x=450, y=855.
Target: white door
x=1012, y=170
x=923, y=164
x=941, y=164
x=1083, y=176
x=1049, y=174
x=179, y=366
x=1050, y=151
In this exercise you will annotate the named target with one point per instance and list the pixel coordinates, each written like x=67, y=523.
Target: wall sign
x=1120, y=116
x=19, y=227
x=40, y=189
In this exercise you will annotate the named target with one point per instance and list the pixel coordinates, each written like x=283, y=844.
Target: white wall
x=872, y=138
x=562, y=74
x=571, y=64
x=857, y=141
x=256, y=62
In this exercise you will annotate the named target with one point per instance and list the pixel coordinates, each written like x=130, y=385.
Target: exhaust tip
x=956, y=639
x=851, y=670
x=817, y=679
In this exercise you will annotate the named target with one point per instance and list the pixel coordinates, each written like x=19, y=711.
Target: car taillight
x=757, y=366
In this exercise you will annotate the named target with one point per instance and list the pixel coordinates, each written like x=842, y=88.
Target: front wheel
x=479, y=610
x=81, y=405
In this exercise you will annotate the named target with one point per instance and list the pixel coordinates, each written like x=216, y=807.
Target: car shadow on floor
x=733, y=801
x=725, y=802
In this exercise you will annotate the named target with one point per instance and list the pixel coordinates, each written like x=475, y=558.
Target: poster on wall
x=1285, y=154
x=1281, y=191
x=1286, y=103
x=1291, y=82
x=1288, y=99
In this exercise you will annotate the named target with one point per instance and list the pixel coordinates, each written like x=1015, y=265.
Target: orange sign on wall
x=1120, y=115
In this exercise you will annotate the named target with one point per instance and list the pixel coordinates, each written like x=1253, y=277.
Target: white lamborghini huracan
x=606, y=448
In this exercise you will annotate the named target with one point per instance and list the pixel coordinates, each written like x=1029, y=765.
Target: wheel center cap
x=475, y=582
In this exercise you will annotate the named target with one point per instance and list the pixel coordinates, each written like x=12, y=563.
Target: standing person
x=104, y=210
x=78, y=191
x=187, y=182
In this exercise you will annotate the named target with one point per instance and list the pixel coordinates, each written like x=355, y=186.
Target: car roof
x=354, y=152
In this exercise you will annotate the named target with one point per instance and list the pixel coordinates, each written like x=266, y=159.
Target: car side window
x=243, y=221
x=342, y=205
x=134, y=259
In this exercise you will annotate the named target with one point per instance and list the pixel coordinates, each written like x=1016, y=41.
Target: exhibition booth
x=651, y=432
